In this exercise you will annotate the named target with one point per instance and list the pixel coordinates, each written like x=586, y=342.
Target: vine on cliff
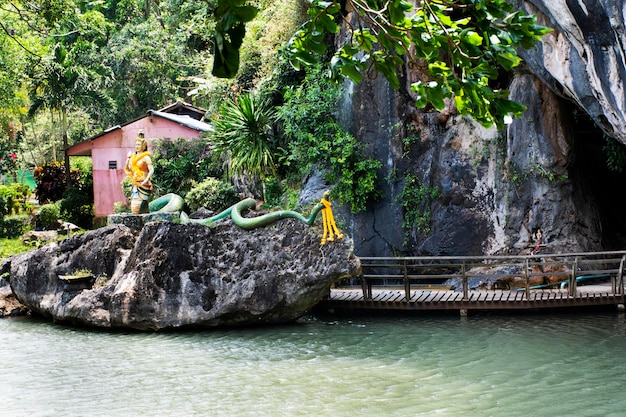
x=315, y=139
x=416, y=199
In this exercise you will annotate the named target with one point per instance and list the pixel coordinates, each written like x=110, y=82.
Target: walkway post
x=572, y=279
x=407, y=285
x=465, y=284
x=619, y=289
x=527, y=279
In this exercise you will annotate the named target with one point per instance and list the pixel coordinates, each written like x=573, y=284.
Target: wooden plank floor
x=427, y=299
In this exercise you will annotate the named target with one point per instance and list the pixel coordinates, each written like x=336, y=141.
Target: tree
x=244, y=135
x=461, y=46
x=61, y=85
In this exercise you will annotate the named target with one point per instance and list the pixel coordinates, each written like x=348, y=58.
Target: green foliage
x=274, y=190
x=13, y=198
x=316, y=139
x=244, y=135
x=9, y=247
x=8, y=157
x=416, y=199
x=13, y=226
x=178, y=163
x=48, y=216
x=615, y=155
x=212, y=194
x=230, y=17
x=121, y=207
x=356, y=176
x=127, y=186
x=77, y=207
x=462, y=46
x=279, y=194
x=152, y=66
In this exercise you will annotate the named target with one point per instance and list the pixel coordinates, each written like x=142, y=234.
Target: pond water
x=537, y=365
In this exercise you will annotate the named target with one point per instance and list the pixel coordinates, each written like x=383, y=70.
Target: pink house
x=110, y=148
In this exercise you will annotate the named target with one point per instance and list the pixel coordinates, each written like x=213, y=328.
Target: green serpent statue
x=330, y=228
x=168, y=203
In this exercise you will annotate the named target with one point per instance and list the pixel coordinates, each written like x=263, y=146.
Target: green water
x=553, y=365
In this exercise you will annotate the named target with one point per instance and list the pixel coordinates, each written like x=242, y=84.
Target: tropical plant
x=62, y=84
x=615, y=154
x=51, y=181
x=77, y=207
x=244, y=136
x=416, y=199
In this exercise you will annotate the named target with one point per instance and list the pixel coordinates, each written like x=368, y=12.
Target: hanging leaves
x=462, y=45
x=230, y=16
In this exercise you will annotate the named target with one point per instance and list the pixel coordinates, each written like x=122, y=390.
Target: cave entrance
x=603, y=183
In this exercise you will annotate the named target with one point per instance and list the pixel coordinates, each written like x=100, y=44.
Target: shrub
x=121, y=207
x=51, y=181
x=212, y=194
x=315, y=138
x=274, y=190
x=7, y=198
x=77, y=207
x=178, y=162
x=127, y=186
x=48, y=216
x=13, y=226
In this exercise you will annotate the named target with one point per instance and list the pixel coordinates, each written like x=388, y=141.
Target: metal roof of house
x=183, y=120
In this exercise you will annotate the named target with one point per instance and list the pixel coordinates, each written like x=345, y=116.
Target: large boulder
x=170, y=275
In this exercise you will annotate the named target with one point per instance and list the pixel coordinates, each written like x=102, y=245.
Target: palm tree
x=244, y=136
x=63, y=85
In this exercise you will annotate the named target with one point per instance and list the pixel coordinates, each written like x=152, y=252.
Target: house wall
x=112, y=148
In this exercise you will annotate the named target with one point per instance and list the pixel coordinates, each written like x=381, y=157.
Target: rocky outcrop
x=584, y=58
x=170, y=276
x=496, y=188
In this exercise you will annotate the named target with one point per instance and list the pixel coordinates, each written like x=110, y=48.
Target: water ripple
x=481, y=366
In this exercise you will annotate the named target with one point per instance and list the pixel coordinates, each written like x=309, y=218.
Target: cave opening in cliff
x=603, y=183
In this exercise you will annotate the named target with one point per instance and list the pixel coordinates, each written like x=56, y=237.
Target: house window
x=112, y=164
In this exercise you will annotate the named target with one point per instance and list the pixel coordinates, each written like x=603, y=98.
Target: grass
x=10, y=247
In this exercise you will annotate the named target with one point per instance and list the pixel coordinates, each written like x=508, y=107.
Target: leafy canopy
x=459, y=45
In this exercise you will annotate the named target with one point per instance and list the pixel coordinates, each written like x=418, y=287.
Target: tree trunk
x=68, y=178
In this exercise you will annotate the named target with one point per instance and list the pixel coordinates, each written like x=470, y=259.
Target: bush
x=13, y=226
x=178, y=162
x=127, y=186
x=315, y=138
x=121, y=207
x=51, y=181
x=48, y=216
x=212, y=194
x=77, y=207
x=7, y=198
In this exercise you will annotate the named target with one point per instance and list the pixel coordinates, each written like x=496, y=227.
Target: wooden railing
x=535, y=271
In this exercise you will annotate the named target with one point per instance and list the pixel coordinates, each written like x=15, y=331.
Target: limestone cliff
x=546, y=170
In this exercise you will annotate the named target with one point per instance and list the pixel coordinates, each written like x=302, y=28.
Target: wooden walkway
x=539, y=282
